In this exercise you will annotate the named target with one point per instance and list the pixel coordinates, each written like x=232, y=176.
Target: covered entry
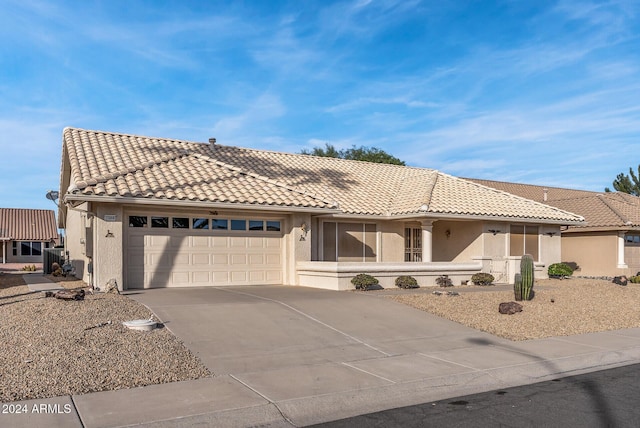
x=181, y=251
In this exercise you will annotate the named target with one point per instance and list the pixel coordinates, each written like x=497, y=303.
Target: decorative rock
x=620, y=280
x=509, y=308
x=77, y=294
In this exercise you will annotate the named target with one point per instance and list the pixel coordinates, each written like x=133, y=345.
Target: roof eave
x=188, y=203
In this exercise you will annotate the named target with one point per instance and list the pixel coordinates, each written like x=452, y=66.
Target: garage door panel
x=238, y=259
x=273, y=276
x=183, y=257
x=256, y=259
x=238, y=277
x=273, y=242
x=273, y=259
x=201, y=277
x=199, y=241
x=200, y=259
x=237, y=242
x=220, y=259
x=256, y=242
x=219, y=241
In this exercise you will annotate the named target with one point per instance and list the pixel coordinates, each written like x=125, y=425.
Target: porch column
x=621, y=263
x=427, y=242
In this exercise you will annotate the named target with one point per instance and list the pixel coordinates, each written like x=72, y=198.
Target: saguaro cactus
x=526, y=271
x=517, y=287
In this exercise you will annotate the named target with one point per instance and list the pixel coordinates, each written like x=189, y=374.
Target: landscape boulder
x=509, y=308
x=620, y=280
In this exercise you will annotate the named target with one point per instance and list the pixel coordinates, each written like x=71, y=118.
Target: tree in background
x=362, y=153
x=627, y=183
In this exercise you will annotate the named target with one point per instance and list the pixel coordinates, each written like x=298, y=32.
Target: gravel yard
x=52, y=347
x=579, y=306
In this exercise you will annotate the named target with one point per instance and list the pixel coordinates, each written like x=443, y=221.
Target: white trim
x=621, y=262
x=328, y=212
x=194, y=204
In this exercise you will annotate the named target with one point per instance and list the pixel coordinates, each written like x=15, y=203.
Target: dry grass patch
x=52, y=347
x=579, y=306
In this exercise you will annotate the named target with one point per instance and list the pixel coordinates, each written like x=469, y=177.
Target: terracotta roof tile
x=601, y=210
x=111, y=164
x=21, y=224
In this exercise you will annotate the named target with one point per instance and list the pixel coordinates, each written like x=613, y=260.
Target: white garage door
x=202, y=251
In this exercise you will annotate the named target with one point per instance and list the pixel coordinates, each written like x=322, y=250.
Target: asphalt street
x=608, y=398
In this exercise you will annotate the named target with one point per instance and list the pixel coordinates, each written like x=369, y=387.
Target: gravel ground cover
x=559, y=308
x=52, y=347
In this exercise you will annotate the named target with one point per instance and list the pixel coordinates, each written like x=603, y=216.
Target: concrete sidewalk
x=332, y=356
x=38, y=282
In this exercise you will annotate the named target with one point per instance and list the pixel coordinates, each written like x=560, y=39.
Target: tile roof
x=601, y=210
x=21, y=224
x=118, y=165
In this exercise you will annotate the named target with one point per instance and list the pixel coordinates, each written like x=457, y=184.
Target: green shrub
x=482, y=278
x=444, y=281
x=635, y=279
x=363, y=281
x=559, y=270
x=29, y=268
x=406, y=281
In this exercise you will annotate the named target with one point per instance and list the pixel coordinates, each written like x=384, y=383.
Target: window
x=160, y=222
x=273, y=226
x=201, y=223
x=256, y=225
x=30, y=248
x=524, y=240
x=238, y=225
x=412, y=244
x=632, y=239
x=346, y=242
x=15, y=248
x=219, y=224
x=137, y=221
x=180, y=223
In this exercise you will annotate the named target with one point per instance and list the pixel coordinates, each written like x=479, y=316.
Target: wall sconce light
x=550, y=233
x=494, y=231
x=447, y=233
x=305, y=229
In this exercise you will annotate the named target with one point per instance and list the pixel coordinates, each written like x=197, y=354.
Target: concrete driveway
x=318, y=355
x=292, y=356
x=256, y=329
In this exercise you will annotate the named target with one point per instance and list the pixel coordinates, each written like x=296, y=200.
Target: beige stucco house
x=25, y=233
x=608, y=243
x=154, y=212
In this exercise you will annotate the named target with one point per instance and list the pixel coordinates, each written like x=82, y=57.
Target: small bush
x=363, y=281
x=560, y=270
x=29, y=268
x=406, y=282
x=444, y=281
x=482, y=278
x=635, y=279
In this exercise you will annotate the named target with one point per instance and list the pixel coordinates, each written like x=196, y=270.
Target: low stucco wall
x=337, y=276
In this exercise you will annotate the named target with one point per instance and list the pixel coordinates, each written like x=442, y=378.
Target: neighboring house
x=24, y=233
x=153, y=212
x=608, y=243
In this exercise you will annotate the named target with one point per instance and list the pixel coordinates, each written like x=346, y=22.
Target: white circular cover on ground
x=144, y=325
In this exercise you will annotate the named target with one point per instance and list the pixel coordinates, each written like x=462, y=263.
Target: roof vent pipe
x=212, y=140
x=545, y=193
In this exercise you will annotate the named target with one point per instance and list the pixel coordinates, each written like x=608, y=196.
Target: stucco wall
x=595, y=253
x=78, y=240
x=456, y=241
x=108, y=249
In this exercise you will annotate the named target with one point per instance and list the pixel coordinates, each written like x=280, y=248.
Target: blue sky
x=541, y=92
